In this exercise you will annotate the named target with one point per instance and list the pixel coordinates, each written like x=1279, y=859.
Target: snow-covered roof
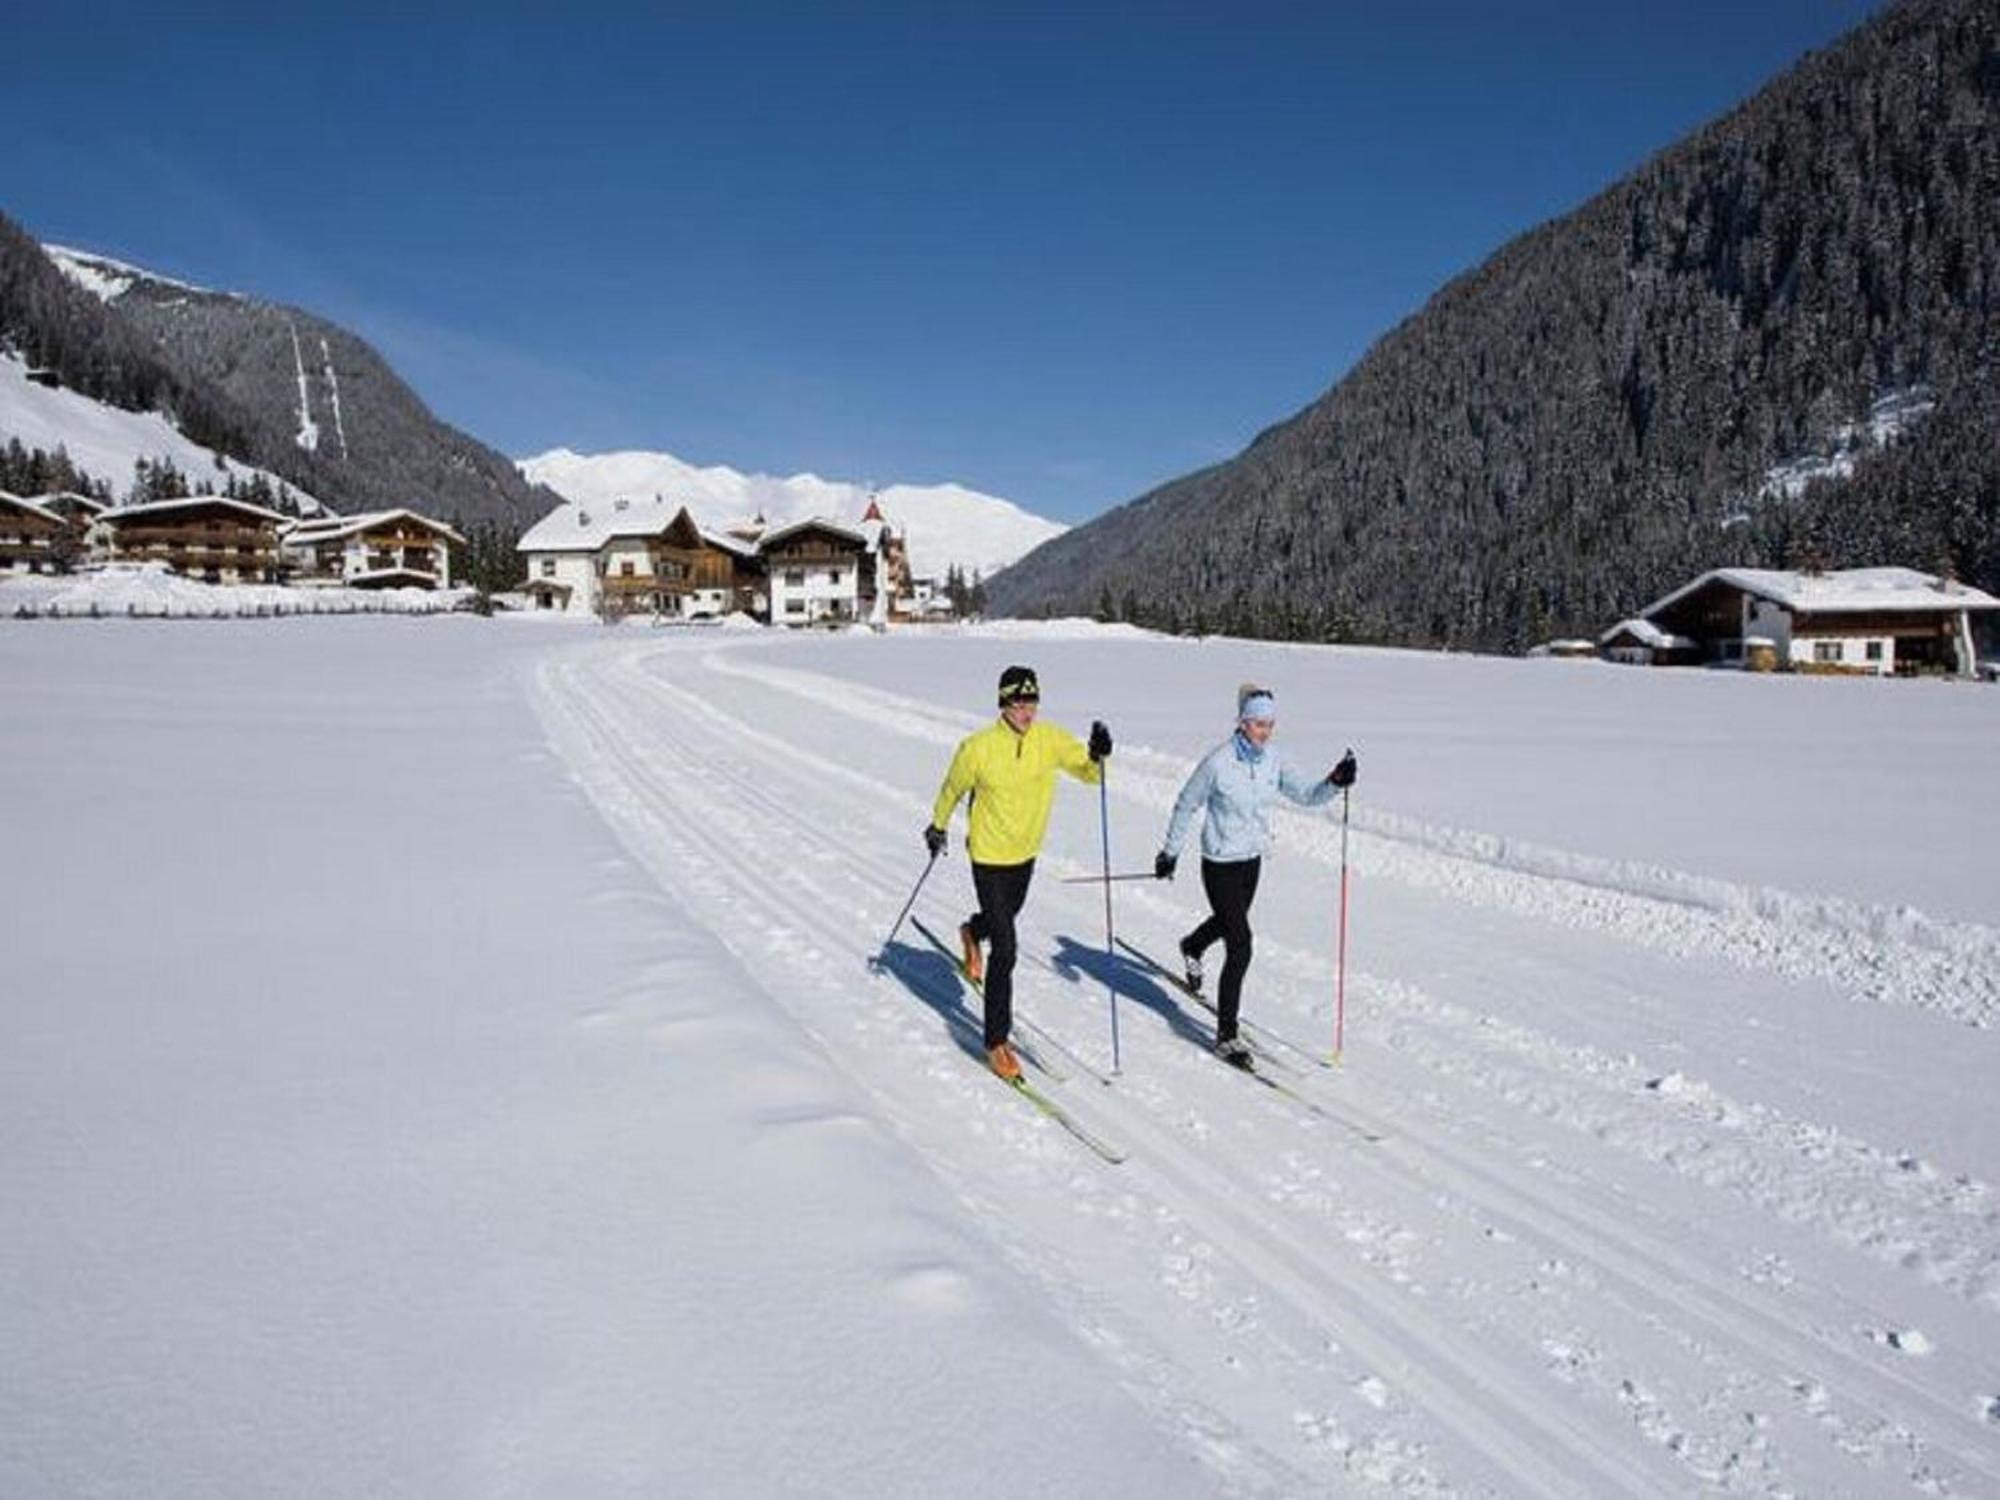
x=585, y=528
x=1647, y=634
x=90, y=502
x=734, y=546
x=20, y=503
x=812, y=523
x=167, y=507
x=327, y=528
x=1849, y=591
x=390, y=577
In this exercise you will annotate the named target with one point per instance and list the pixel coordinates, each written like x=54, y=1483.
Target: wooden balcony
x=620, y=586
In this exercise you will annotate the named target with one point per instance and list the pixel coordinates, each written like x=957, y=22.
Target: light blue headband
x=1258, y=706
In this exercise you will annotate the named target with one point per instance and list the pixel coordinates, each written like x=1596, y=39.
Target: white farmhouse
x=636, y=557
x=821, y=573
x=1870, y=620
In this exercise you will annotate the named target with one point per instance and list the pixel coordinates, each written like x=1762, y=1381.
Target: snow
x=331, y=527
x=585, y=528
x=151, y=590
x=1646, y=633
x=1844, y=591
x=507, y=1104
x=105, y=441
x=1889, y=417
x=307, y=437
x=107, y=279
x=945, y=524
x=333, y=395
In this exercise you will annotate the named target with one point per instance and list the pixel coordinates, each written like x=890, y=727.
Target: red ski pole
x=1340, y=951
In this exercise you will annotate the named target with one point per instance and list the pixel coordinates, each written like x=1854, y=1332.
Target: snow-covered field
x=442, y=1058
x=151, y=590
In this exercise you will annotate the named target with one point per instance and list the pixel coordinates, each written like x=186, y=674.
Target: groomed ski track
x=1567, y=1269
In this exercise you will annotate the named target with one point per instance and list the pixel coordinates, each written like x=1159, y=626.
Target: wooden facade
x=665, y=573
x=384, y=549
x=209, y=537
x=820, y=573
x=1868, y=620
x=34, y=539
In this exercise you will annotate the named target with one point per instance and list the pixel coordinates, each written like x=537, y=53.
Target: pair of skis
x=1261, y=1042
x=1048, y=1107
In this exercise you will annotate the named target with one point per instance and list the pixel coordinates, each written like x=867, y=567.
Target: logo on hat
x=1018, y=684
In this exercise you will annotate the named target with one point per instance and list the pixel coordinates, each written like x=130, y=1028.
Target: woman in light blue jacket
x=1234, y=787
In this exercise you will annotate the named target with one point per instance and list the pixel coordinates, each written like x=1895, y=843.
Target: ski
x=1062, y=1117
x=1279, y=1086
x=1028, y=1054
x=1036, y=1098
x=1258, y=1036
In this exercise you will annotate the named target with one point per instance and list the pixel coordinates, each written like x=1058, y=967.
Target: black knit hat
x=1018, y=683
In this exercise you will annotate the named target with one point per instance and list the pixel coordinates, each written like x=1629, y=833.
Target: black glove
x=1343, y=774
x=1100, y=741
x=1163, y=865
x=934, y=840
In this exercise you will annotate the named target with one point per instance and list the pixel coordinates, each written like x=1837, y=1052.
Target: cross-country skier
x=1010, y=768
x=1234, y=787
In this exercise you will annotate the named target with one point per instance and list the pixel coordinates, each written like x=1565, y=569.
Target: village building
x=926, y=602
x=821, y=573
x=1641, y=643
x=891, y=585
x=640, y=558
x=378, y=549
x=1864, y=620
x=636, y=557
x=207, y=537
x=34, y=538
x=79, y=510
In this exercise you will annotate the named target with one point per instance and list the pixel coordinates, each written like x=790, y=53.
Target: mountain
x=102, y=443
x=272, y=386
x=1773, y=343
x=946, y=523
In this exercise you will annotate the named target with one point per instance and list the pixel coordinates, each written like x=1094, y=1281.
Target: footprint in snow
x=1903, y=1340
x=935, y=1288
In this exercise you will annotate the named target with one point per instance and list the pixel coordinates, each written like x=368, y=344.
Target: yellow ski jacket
x=1012, y=778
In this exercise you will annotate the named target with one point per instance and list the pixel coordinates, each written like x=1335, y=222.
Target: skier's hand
x=1343, y=774
x=1163, y=865
x=1100, y=741
x=934, y=840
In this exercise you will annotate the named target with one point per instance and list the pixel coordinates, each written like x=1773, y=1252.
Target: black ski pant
x=1231, y=887
x=1002, y=891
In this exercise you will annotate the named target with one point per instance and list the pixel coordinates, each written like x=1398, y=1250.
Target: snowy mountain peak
x=947, y=524
x=107, y=279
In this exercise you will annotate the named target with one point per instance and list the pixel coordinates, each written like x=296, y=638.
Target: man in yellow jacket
x=1010, y=768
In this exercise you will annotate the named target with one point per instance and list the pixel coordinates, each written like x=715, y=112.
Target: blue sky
x=1058, y=254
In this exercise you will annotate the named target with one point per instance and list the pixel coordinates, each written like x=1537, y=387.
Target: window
x=833, y=575
x=624, y=567
x=796, y=578
x=1874, y=650
x=1826, y=650
x=795, y=606
x=548, y=567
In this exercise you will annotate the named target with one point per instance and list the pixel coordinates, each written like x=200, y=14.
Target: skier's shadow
x=1079, y=964
x=936, y=982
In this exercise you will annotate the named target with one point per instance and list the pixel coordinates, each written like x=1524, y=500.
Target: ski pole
x=928, y=867
x=1094, y=879
x=1340, y=952
x=1110, y=951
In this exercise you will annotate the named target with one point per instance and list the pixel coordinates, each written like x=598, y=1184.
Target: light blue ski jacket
x=1235, y=784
